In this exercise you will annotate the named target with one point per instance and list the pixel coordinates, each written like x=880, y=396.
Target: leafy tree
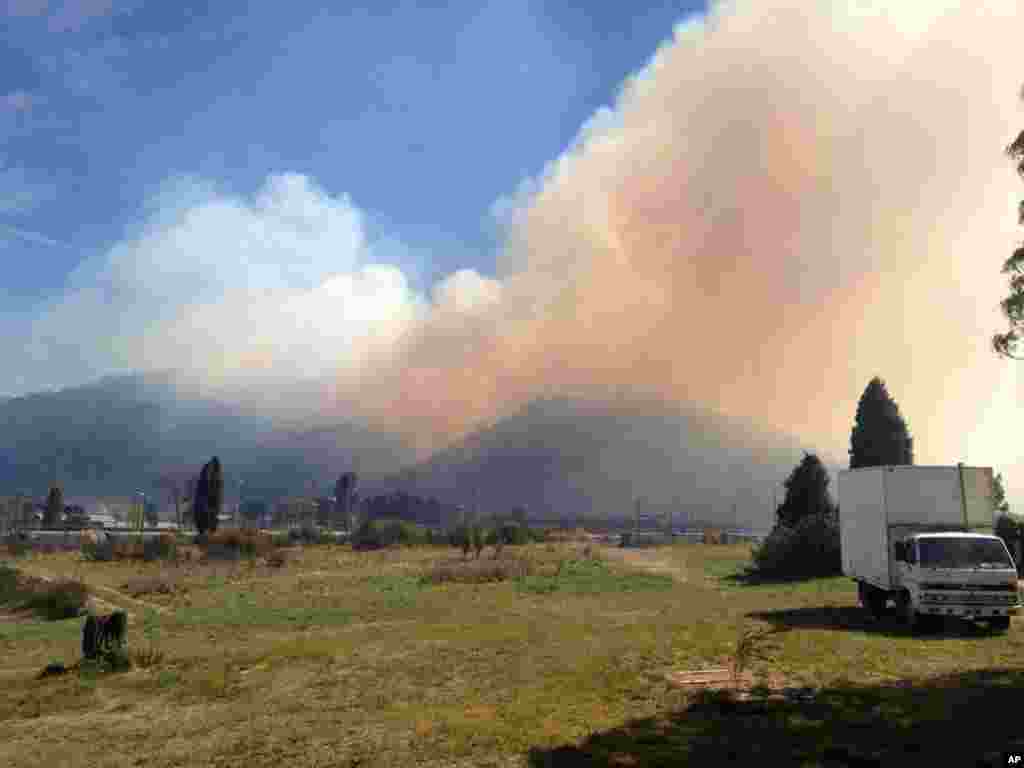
x=880, y=435
x=1005, y=344
x=806, y=492
x=999, y=495
x=54, y=507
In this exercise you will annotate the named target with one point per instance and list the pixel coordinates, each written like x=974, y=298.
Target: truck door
x=906, y=556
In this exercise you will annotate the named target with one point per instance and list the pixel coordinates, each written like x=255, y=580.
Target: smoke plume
x=787, y=200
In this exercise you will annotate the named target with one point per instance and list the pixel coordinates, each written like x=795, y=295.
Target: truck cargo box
x=880, y=505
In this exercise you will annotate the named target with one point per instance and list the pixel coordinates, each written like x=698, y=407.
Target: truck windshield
x=963, y=553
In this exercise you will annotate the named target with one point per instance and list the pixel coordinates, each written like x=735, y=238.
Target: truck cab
x=967, y=575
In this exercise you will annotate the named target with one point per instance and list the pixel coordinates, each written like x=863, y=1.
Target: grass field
x=346, y=659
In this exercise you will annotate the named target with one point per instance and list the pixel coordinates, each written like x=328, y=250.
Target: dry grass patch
x=157, y=584
x=477, y=571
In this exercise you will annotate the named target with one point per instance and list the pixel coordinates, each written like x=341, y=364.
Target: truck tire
x=999, y=623
x=872, y=599
x=913, y=620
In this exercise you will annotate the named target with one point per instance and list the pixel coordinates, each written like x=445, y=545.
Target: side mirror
x=899, y=551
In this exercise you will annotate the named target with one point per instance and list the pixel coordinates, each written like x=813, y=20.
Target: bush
x=167, y=546
x=149, y=585
x=461, y=536
x=97, y=551
x=8, y=584
x=17, y=543
x=277, y=559
x=376, y=534
x=536, y=535
x=54, y=601
x=807, y=550
x=477, y=571
x=238, y=542
x=130, y=549
x=644, y=539
x=307, y=534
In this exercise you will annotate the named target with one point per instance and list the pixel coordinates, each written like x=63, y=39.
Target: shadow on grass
x=751, y=578
x=902, y=724
x=855, y=619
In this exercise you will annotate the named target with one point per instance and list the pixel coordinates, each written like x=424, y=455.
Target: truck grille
x=1007, y=598
x=971, y=587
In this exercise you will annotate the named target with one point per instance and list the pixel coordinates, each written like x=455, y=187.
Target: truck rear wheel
x=999, y=623
x=872, y=599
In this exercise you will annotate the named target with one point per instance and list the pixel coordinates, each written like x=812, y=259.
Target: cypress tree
x=999, y=495
x=880, y=435
x=214, y=492
x=54, y=507
x=806, y=492
x=343, y=491
x=200, y=502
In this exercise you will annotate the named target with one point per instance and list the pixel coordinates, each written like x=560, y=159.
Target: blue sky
x=423, y=114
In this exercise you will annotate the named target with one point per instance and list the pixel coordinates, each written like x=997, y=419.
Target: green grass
x=36, y=631
x=342, y=657
x=240, y=609
x=400, y=590
x=591, y=577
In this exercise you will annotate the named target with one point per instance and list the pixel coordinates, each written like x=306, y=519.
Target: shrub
x=280, y=539
x=461, y=536
x=167, y=546
x=103, y=550
x=477, y=571
x=376, y=534
x=149, y=585
x=806, y=550
x=131, y=549
x=307, y=534
x=536, y=535
x=17, y=543
x=643, y=539
x=54, y=601
x=277, y=559
x=8, y=584
x=234, y=542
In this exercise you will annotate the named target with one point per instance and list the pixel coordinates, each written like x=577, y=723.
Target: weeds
x=747, y=648
x=152, y=655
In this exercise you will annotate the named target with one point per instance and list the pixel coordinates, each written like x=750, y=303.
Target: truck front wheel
x=911, y=618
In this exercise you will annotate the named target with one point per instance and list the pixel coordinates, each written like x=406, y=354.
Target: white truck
x=923, y=536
